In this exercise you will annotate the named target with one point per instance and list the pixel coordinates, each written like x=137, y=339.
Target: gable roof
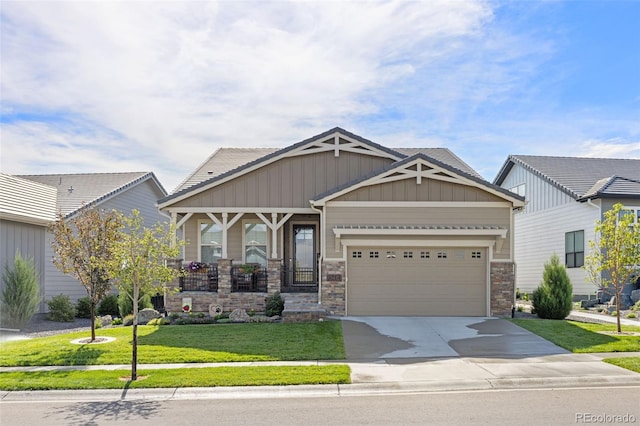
x=575, y=176
x=22, y=200
x=226, y=162
x=613, y=187
x=76, y=190
x=441, y=170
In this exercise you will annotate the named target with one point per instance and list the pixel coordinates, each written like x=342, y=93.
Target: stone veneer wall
x=202, y=300
x=333, y=287
x=502, y=288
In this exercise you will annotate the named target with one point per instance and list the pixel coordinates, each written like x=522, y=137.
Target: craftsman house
x=347, y=225
x=565, y=196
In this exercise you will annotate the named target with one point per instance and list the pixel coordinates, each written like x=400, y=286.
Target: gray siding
x=30, y=241
x=288, y=182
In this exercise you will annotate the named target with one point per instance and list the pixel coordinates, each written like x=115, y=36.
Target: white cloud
x=612, y=148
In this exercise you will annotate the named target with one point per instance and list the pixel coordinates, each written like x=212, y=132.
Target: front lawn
x=184, y=344
x=173, y=378
x=579, y=337
x=630, y=363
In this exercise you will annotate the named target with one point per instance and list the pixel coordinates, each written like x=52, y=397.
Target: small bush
x=631, y=315
x=614, y=313
x=552, y=299
x=83, y=308
x=98, y=322
x=518, y=294
x=159, y=321
x=525, y=297
x=61, y=309
x=21, y=293
x=109, y=305
x=274, y=305
x=116, y=321
x=520, y=308
x=127, y=320
x=174, y=315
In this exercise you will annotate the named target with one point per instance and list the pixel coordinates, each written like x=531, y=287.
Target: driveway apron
x=389, y=338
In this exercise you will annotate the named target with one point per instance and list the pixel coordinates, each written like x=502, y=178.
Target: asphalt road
x=527, y=407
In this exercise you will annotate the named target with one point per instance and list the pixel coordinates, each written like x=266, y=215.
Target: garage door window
x=356, y=254
x=425, y=255
x=408, y=255
x=374, y=254
x=442, y=255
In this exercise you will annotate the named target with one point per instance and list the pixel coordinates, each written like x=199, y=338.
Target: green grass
x=184, y=377
x=630, y=363
x=581, y=337
x=184, y=344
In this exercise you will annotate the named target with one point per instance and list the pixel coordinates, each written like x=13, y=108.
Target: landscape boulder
x=146, y=315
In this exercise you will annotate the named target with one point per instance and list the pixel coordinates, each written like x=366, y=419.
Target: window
x=210, y=242
x=574, y=249
x=356, y=254
x=425, y=255
x=255, y=243
x=518, y=189
x=407, y=255
x=634, y=211
x=476, y=255
x=442, y=255
x=374, y=254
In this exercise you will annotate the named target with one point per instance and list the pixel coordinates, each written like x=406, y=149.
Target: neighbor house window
x=518, y=189
x=255, y=243
x=574, y=249
x=210, y=242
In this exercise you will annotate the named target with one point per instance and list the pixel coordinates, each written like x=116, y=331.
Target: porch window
x=574, y=249
x=210, y=242
x=255, y=243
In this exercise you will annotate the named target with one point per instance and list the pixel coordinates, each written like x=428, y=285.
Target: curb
x=315, y=391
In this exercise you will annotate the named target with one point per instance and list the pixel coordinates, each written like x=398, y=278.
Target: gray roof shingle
x=74, y=190
x=576, y=176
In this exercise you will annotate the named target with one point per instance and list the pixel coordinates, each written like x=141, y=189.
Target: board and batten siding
x=539, y=194
x=445, y=216
x=410, y=190
x=288, y=182
x=541, y=234
x=29, y=240
x=142, y=197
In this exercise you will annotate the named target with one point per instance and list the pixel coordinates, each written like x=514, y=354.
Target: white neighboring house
x=107, y=191
x=26, y=208
x=565, y=196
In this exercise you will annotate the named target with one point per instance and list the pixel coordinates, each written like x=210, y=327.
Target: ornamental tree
x=139, y=264
x=83, y=246
x=615, y=253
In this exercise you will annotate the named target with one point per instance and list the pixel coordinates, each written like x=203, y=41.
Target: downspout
x=322, y=246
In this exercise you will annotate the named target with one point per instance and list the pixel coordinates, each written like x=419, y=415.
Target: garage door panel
x=436, y=282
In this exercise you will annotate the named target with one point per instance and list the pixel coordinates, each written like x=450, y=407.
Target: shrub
x=552, y=299
x=159, y=321
x=518, y=294
x=21, y=293
x=116, y=321
x=525, y=297
x=125, y=305
x=61, y=309
x=614, y=313
x=274, y=305
x=98, y=322
x=631, y=315
x=83, y=308
x=109, y=305
x=127, y=320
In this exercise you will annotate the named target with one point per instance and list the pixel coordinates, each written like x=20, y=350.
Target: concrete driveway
x=389, y=338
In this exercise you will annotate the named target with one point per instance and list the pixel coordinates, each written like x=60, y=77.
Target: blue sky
x=145, y=86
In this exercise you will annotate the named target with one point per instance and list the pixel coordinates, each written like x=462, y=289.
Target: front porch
x=224, y=286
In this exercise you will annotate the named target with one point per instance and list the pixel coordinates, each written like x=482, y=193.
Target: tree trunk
x=93, y=321
x=134, y=351
x=618, y=291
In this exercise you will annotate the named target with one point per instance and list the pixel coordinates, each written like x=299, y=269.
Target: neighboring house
x=565, y=196
x=67, y=193
x=26, y=208
x=352, y=226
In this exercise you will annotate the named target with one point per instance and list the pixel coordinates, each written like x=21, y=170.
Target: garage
x=413, y=281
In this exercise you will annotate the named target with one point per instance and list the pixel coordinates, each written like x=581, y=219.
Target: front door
x=304, y=254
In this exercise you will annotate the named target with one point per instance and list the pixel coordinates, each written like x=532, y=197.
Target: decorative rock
x=106, y=320
x=239, y=315
x=635, y=296
x=147, y=314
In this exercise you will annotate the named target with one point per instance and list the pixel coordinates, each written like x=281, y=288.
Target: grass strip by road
x=184, y=344
x=579, y=337
x=630, y=363
x=174, y=378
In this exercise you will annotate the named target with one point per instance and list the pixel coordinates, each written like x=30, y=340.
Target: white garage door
x=417, y=281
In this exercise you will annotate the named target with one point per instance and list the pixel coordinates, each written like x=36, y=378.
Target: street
x=527, y=407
